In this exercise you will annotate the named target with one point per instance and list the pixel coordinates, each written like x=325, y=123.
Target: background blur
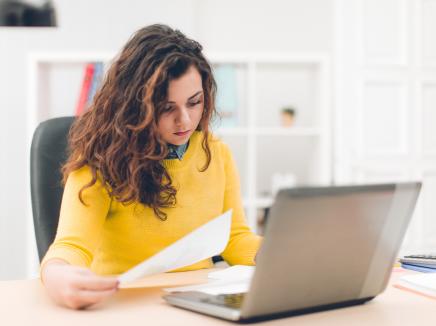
x=359, y=75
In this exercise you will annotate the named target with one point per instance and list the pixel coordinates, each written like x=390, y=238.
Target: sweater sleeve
x=80, y=226
x=243, y=243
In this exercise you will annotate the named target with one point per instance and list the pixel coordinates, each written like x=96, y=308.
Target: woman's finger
x=85, y=298
x=95, y=283
x=88, y=297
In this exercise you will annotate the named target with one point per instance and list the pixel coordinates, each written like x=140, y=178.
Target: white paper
x=208, y=240
x=215, y=287
x=236, y=272
x=229, y=288
x=235, y=279
x=427, y=280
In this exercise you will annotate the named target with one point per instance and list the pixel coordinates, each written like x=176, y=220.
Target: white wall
x=104, y=25
x=386, y=99
x=275, y=25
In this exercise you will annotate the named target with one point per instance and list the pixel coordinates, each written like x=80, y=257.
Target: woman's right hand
x=76, y=287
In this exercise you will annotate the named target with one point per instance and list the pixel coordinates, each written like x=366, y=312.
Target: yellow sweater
x=110, y=237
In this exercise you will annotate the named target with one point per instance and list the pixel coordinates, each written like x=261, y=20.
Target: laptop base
x=197, y=301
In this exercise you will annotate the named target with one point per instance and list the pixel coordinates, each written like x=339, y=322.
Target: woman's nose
x=183, y=117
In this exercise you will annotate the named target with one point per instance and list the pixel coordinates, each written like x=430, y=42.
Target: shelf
x=231, y=131
x=265, y=57
x=292, y=131
x=71, y=57
x=263, y=202
x=270, y=131
x=265, y=83
x=214, y=57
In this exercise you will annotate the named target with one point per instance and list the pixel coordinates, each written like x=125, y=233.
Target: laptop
x=323, y=248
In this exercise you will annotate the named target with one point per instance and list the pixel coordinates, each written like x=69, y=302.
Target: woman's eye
x=195, y=103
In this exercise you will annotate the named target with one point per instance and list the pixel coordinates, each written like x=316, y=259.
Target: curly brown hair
x=117, y=137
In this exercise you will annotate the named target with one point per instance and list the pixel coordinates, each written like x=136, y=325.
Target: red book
x=86, y=86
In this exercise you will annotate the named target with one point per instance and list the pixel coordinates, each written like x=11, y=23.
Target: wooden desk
x=26, y=303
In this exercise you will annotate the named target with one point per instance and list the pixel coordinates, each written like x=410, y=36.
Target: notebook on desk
x=323, y=248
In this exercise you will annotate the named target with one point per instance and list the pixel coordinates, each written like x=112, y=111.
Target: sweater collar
x=177, y=151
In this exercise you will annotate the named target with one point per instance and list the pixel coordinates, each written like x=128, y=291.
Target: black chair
x=47, y=155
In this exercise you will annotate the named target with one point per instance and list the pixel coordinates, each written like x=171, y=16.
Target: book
x=86, y=84
x=419, y=268
x=96, y=81
x=426, y=260
x=423, y=284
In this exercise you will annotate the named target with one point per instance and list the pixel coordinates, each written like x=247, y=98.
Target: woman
x=143, y=170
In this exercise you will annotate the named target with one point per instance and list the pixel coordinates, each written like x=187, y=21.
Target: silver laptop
x=324, y=248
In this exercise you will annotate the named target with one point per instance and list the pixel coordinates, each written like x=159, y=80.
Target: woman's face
x=184, y=108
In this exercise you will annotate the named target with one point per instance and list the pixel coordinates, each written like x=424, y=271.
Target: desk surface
x=26, y=303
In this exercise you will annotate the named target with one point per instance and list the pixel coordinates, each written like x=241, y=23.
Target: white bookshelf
x=259, y=144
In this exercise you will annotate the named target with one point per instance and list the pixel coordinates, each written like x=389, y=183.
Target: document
x=208, y=240
x=235, y=279
x=215, y=287
x=236, y=272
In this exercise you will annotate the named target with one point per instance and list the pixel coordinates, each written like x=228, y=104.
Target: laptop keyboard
x=229, y=300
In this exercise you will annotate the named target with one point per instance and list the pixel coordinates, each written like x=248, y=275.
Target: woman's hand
x=76, y=287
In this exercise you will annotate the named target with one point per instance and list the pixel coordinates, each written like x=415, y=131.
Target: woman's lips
x=182, y=133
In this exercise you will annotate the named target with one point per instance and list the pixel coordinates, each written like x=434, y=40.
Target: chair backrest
x=47, y=155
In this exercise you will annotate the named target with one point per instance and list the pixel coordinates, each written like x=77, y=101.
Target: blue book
x=419, y=268
x=96, y=80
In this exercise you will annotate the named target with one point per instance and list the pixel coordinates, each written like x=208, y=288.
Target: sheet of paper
x=427, y=280
x=206, y=241
x=230, y=288
x=236, y=272
x=235, y=279
x=215, y=287
x=423, y=284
